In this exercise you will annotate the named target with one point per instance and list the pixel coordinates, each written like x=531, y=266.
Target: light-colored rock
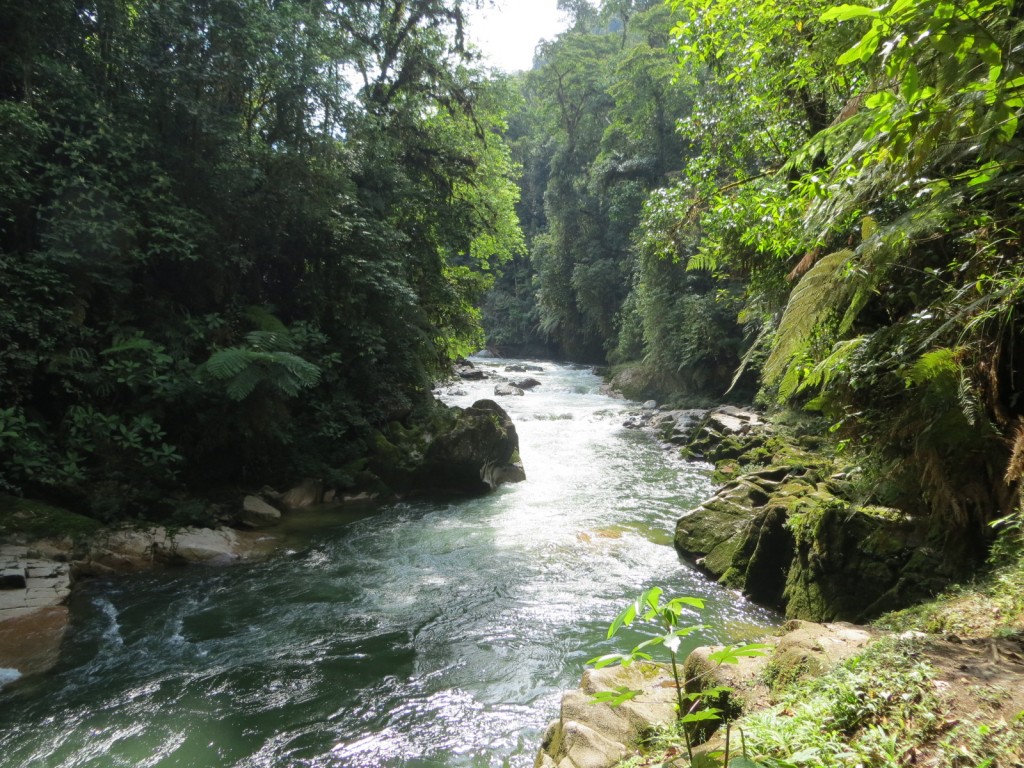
x=650, y=405
x=507, y=390
x=256, y=513
x=586, y=748
x=305, y=494
x=134, y=550
x=495, y=474
x=44, y=584
x=206, y=545
x=598, y=735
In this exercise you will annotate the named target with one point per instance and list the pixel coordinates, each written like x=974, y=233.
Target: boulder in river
x=528, y=383
x=461, y=450
x=138, y=549
x=256, y=513
x=305, y=494
x=507, y=390
x=480, y=452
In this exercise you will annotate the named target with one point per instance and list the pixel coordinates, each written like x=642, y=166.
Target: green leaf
x=847, y=12
x=743, y=762
x=731, y=654
x=615, y=697
x=863, y=50
x=702, y=716
x=623, y=619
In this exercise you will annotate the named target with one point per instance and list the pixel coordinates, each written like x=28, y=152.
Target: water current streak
x=423, y=634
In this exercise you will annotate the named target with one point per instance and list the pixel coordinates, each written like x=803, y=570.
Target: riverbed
x=414, y=634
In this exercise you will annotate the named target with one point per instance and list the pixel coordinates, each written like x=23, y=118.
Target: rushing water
x=419, y=634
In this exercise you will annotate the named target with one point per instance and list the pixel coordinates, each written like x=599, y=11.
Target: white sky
x=508, y=32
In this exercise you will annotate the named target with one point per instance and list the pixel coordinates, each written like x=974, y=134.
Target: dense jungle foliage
x=819, y=201
x=235, y=235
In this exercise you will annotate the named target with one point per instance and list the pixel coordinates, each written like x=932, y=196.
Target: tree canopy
x=234, y=235
x=819, y=201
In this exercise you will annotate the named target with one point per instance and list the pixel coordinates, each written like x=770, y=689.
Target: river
x=418, y=634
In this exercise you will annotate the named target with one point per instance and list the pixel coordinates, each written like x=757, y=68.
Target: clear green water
x=420, y=634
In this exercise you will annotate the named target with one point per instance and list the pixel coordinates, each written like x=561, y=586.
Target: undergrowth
x=991, y=605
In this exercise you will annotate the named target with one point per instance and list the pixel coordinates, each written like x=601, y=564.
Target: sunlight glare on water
x=421, y=634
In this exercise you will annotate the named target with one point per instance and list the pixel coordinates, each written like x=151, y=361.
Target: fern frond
x=822, y=374
x=934, y=364
x=304, y=372
x=817, y=293
x=265, y=320
x=136, y=342
x=1015, y=469
x=702, y=261
x=967, y=398
x=270, y=341
x=765, y=333
x=225, y=363
x=245, y=382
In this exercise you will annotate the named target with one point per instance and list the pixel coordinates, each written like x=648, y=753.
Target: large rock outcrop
x=789, y=533
x=463, y=450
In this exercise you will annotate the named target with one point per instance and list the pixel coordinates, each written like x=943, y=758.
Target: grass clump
x=868, y=711
x=882, y=709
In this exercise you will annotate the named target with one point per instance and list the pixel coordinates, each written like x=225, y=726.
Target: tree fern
x=815, y=296
x=226, y=363
x=244, y=370
x=837, y=362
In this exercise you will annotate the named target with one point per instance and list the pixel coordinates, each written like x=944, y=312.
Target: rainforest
x=249, y=245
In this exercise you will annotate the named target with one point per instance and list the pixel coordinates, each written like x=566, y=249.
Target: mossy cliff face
x=784, y=530
x=462, y=450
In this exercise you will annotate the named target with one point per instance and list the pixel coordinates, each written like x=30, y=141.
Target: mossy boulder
x=783, y=532
x=461, y=450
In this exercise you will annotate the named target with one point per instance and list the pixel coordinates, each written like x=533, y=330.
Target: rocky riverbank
x=791, y=526
x=36, y=579
x=819, y=692
x=593, y=734
x=45, y=549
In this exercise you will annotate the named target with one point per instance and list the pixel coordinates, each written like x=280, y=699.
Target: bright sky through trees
x=508, y=32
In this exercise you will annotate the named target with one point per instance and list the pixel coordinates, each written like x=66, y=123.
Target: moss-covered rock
x=460, y=450
x=783, y=532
